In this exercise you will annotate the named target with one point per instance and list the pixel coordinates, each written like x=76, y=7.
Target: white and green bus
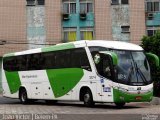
x=88, y=71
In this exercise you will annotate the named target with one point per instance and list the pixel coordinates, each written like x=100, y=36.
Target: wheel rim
x=86, y=98
x=23, y=96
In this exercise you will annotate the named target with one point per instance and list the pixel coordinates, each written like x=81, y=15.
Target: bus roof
x=115, y=45
x=103, y=43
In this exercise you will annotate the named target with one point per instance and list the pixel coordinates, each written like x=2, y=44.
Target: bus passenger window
x=80, y=59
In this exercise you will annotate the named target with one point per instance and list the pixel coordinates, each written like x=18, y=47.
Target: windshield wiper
x=138, y=70
x=130, y=73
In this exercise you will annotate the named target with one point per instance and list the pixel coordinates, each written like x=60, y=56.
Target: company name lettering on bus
x=29, y=76
x=36, y=82
x=106, y=89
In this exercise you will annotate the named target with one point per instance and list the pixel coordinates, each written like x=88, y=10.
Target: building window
x=86, y=34
x=114, y=2
x=69, y=35
x=153, y=6
x=35, y=2
x=125, y=29
x=151, y=32
x=86, y=6
x=40, y=2
x=69, y=6
x=124, y=1
x=30, y=2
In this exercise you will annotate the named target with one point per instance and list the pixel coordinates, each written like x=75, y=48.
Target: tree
x=152, y=44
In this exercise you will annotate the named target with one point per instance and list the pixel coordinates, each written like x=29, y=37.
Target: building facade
x=27, y=24
x=152, y=16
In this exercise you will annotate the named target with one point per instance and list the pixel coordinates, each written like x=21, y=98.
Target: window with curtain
x=149, y=6
x=86, y=35
x=72, y=8
x=69, y=7
x=156, y=6
x=70, y=36
x=153, y=6
x=83, y=8
x=86, y=6
x=65, y=8
x=114, y=2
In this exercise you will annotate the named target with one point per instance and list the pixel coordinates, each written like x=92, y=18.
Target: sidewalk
x=155, y=101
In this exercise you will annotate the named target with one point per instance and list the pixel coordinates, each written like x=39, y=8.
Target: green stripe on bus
x=64, y=80
x=58, y=47
x=13, y=81
x=120, y=96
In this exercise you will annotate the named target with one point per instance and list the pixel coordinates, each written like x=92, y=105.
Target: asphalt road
x=63, y=110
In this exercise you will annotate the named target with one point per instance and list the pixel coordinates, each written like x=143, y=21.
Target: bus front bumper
x=121, y=96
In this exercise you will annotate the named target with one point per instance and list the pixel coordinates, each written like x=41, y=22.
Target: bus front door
x=107, y=77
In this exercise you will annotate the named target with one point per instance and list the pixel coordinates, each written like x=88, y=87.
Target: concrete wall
x=53, y=21
x=103, y=23
x=12, y=24
x=137, y=20
x=36, y=30
x=120, y=17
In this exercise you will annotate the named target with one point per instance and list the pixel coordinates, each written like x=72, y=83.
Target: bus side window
x=8, y=64
x=22, y=62
x=80, y=59
x=47, y=60
x=63, y=59
x=32, y=61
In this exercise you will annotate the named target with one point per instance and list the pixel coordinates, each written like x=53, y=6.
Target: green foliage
x=152, y=44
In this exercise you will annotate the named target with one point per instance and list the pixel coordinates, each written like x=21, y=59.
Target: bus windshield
x=132, y=68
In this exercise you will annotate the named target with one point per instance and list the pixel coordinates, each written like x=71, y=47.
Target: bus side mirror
x=153, y=58
x=113, y=56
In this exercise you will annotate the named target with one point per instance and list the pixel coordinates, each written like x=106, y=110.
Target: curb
x=155, y=101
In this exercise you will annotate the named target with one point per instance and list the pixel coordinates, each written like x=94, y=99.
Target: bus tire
x=120, y=104
x=88, y=99
x=23, y=96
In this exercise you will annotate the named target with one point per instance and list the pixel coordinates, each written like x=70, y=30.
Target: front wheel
x=23, y=96
x=88, y=99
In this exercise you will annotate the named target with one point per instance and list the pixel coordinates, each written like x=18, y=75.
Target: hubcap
x=86, y=97
x=24, y=96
